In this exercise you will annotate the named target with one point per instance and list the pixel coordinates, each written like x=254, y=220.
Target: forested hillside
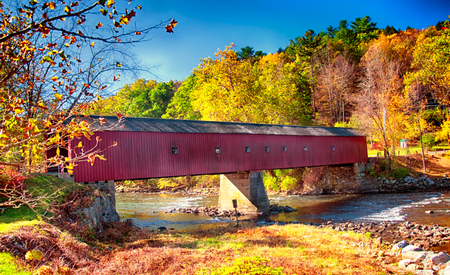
x=391, y=84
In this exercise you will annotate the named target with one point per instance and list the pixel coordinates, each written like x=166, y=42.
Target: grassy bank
x=291, y=249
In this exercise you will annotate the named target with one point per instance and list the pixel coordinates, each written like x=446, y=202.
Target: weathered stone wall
x=410, y=184
x=354, y=179
x=336, y=180
x=247, y=188
x=102, y=209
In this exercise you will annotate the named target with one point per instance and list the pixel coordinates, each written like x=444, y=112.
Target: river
x=148, y=210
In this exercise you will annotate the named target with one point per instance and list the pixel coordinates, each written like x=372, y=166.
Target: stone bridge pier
x=247, y=188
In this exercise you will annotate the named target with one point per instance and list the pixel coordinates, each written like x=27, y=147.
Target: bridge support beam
x=247, y=188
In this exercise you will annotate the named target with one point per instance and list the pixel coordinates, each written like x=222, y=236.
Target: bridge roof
x=138, y=124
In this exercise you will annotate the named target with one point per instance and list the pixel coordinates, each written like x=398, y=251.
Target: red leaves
x=11, y=179
x=169, y=28
x=98, y=25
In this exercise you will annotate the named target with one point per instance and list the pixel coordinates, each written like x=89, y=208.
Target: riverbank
x=291, y=249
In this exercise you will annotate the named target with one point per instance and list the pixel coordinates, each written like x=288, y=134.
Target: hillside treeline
x=390, y=84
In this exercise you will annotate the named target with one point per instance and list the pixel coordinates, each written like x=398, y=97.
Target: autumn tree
x=271, y=90
x=285, y=95
x=335, y=89
x=429, y=79
x=226, y=88
x=379, y=89
x=431, y=63
x=52, y=59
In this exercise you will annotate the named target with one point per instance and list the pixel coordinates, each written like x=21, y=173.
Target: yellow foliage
x=264, y=91
x=44, y=270
x=34, y=255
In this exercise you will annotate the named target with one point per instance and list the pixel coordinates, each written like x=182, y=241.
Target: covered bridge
x=154, y=148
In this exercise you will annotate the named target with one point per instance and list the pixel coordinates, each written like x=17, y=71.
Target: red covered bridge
x=154, y=148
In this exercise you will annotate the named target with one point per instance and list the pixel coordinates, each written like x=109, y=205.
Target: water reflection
x=147, y=210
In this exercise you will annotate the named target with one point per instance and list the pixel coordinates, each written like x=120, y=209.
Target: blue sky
x=205, y=26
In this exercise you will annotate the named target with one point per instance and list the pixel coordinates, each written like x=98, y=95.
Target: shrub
x=34, y=255
x=11, y=179
x=288, y=183
x=384, y=165
x=371, y=172
x=44, y=270
x=429, y=140
x=63, y=270
x=271, y=183
x=399, y=173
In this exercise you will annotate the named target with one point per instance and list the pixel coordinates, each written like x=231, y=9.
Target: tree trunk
x=421, y=146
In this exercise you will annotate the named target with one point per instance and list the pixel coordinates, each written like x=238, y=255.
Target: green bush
x=288, y=183
x=429, y=140
x=400, y=173
x=271, y=183
x=384, y=165
x=371, y=172
x=434, y=117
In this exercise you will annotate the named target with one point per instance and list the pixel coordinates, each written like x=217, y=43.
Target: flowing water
x=148, y=210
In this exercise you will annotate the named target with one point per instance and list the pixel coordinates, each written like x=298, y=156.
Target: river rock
x=414, y=256
x=424, y=272
x=404, y=263
x=445, y=271
x=411, y=248
x=412, y=268
x=436, y=259
x=399, y=246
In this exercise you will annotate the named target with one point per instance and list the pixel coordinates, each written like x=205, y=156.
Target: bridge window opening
x=247, y=149
x=218, y=151
x=266, y=149
x=305, y=148
x=334, y=149
x=284, y=148
x=175, y=150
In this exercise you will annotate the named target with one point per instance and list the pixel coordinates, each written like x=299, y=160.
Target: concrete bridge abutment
x=247, y=188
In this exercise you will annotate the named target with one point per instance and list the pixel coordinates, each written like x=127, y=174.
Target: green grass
x=41, y=184
x=14, y=218
x=9, y=266
x=412, y=150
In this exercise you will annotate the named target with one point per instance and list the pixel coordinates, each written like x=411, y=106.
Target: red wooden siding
x=140, y=155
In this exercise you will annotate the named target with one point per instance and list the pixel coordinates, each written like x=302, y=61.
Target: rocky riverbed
x=416, y=260
x=214, y=211
x=424, y=236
